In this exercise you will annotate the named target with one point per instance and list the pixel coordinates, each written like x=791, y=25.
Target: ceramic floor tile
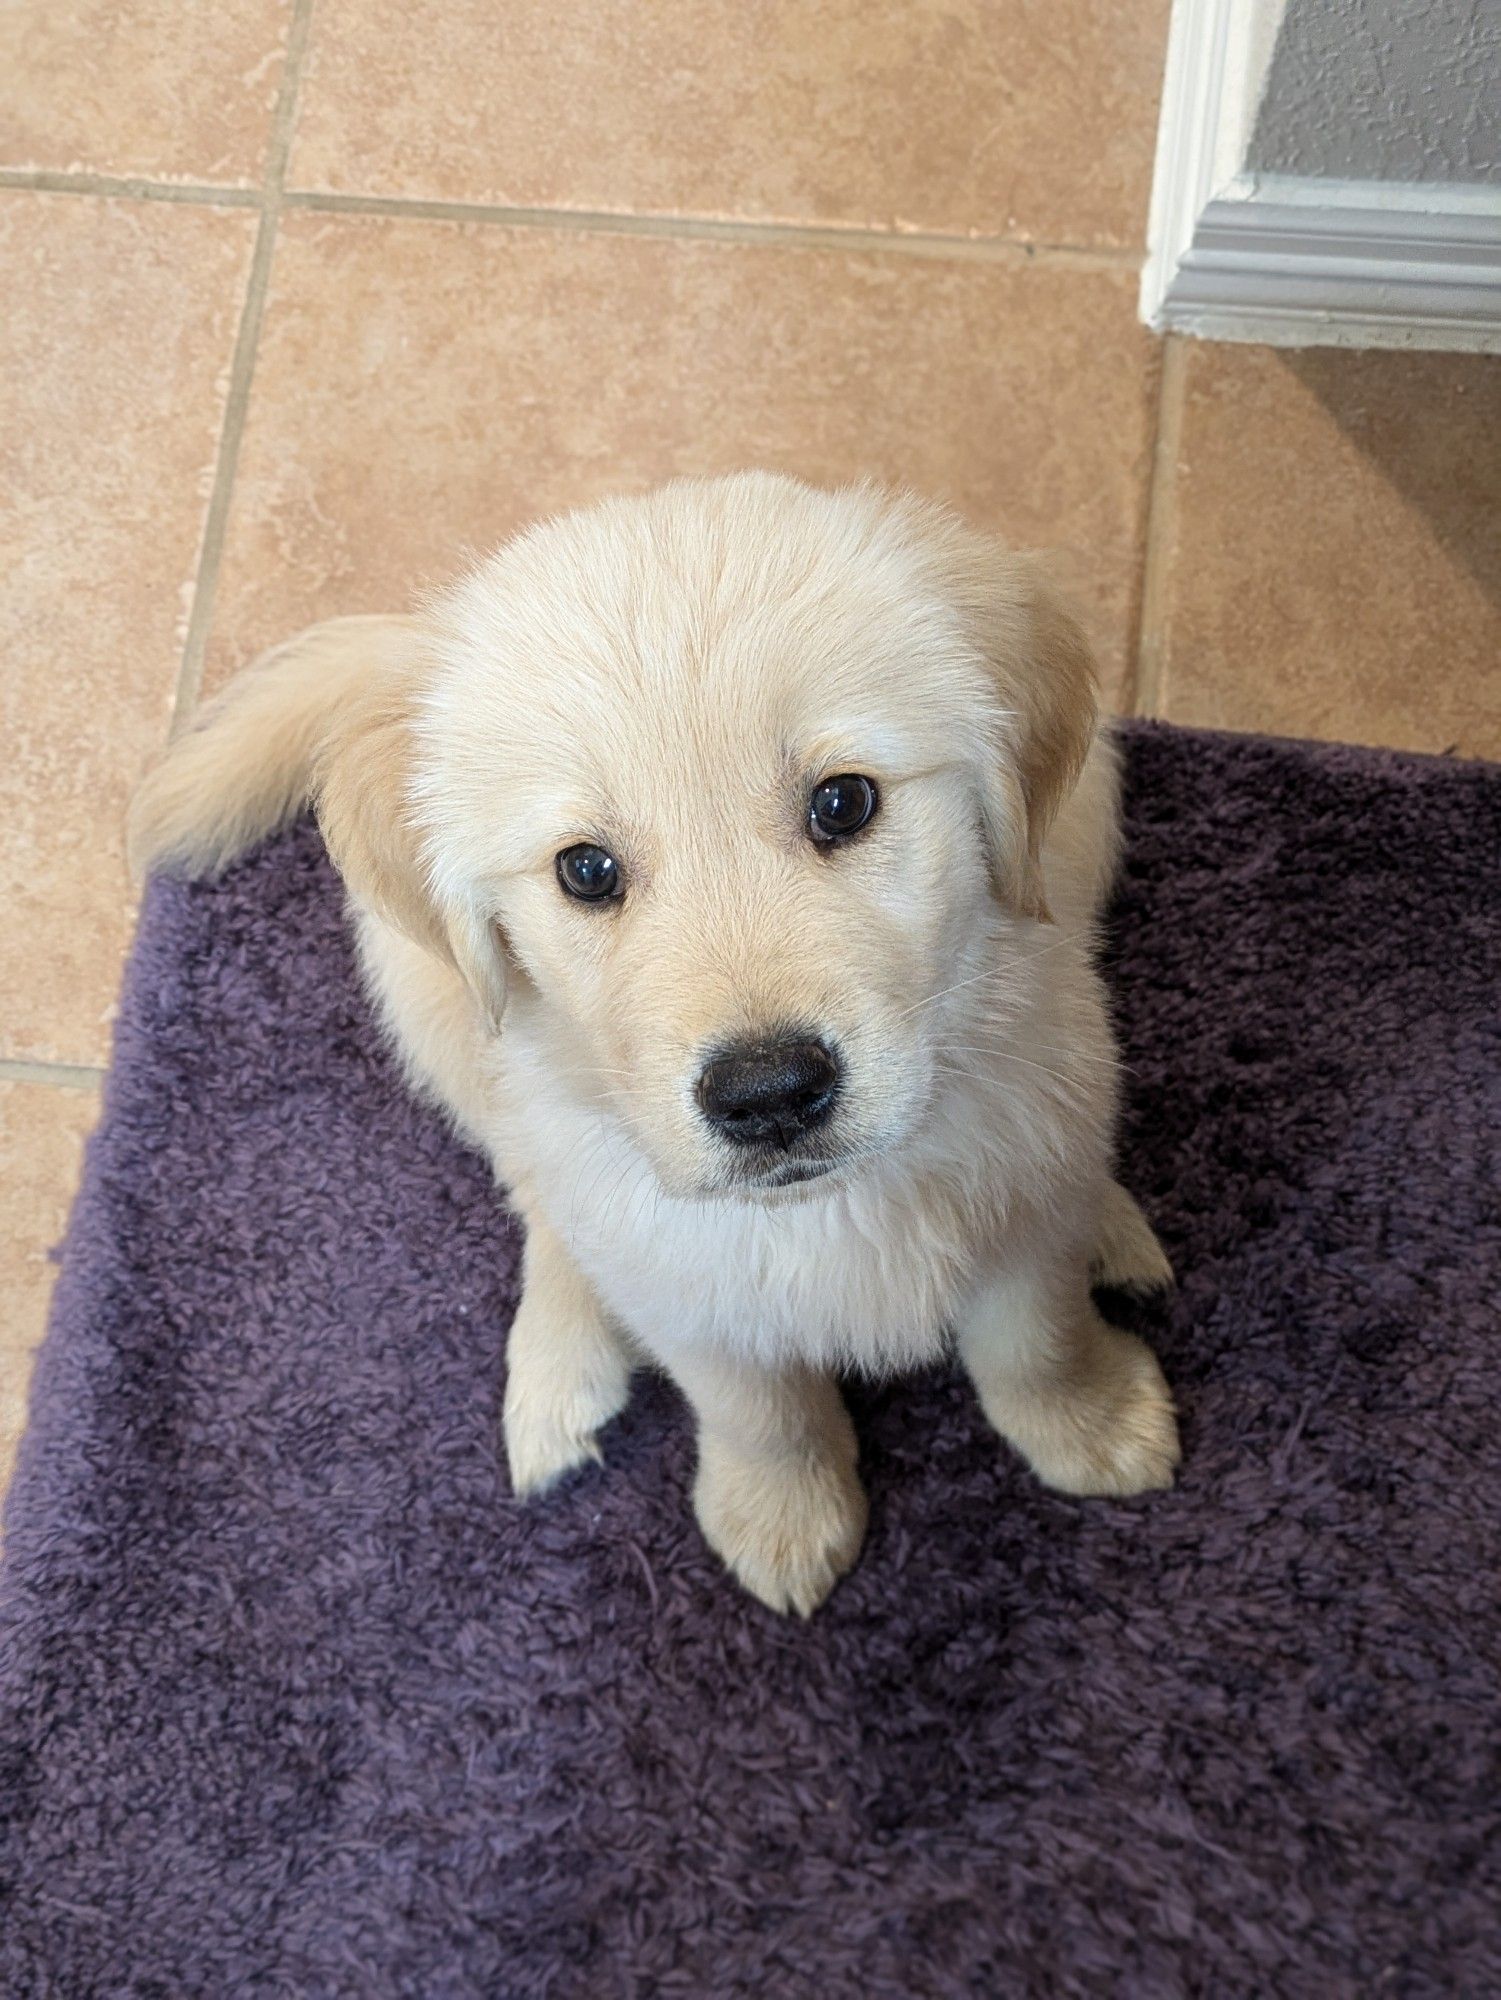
x=1336, y=553
x=114, y=351
x=424, y=388
x=164, y=89
x=42, y=1130
x=992, y=117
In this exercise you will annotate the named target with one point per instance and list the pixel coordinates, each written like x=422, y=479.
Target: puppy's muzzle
x=769, y=1094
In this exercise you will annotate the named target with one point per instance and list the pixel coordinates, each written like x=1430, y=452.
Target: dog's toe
x=549, y=1436
x=789, y=1538
x=1118, y=1439
x=539, y=1455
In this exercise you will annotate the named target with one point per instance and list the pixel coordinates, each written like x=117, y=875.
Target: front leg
x=1084, y=1403
x=567, y=1370
x=777, y=1495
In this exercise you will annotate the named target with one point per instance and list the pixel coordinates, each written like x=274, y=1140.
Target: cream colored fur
x=670, y=676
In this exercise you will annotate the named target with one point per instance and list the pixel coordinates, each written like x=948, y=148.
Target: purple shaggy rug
x=296, y=1701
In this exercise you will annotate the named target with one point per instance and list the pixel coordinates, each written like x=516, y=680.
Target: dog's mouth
x=799, y=1177
x=793, y=1173
x=776, y=1181
x=789, y=1186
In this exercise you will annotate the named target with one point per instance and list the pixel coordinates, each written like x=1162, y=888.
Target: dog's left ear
x=1046, y=682
x=1044, y=712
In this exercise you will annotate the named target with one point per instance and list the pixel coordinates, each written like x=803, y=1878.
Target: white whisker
x=999, y=1055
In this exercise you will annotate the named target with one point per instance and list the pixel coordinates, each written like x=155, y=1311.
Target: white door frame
x=1291, y=260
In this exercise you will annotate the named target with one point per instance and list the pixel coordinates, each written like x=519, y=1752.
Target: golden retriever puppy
x=725, y=863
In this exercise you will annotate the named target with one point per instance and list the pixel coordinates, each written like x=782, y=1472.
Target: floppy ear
x=362, y=792
x=1044, y=675
x=1044, y=712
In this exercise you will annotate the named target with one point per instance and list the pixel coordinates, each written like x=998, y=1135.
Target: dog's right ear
x=329, y=716
x=363, y=793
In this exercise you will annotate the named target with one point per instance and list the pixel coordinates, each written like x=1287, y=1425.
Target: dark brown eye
x=589, y=873
x=841, y=806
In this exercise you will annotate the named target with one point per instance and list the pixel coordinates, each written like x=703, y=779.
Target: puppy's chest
x=862, y=1279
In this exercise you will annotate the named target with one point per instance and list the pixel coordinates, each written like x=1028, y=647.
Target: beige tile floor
x=304, y=297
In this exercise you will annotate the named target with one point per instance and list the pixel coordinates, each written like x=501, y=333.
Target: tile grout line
x=130, y=187
x=717, y=229
x=57, y=1075
x=932, y=244
x=241, y=372
x=1149, y=668
x=1129, y=699
x=1126, y=703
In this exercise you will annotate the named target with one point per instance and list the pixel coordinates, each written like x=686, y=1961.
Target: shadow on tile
x=1430, y=424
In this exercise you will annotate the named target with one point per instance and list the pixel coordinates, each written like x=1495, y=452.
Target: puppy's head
x=725, y=786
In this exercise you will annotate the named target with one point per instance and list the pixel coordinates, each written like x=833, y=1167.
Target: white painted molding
x=1295, y=261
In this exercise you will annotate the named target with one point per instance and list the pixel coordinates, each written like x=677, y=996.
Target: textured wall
x=1402, y=90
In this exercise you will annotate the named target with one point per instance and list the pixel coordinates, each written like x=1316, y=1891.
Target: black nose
x=769, y=1095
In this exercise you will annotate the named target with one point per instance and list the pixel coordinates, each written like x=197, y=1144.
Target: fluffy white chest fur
x=868, y=1275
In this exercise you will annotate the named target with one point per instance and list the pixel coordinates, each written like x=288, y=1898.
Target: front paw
x=1111, y=1433
x=562, y=1388
x=787, y=1528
